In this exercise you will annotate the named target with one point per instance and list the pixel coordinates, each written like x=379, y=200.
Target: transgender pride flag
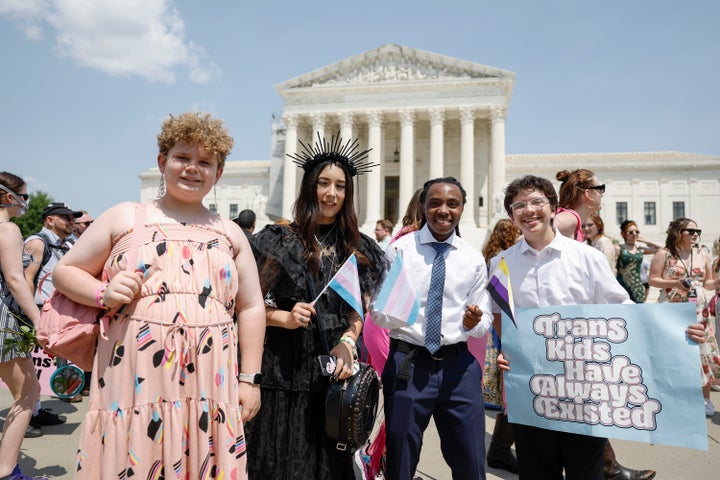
x=501, y=291
x=347, y=284
x=397, y=297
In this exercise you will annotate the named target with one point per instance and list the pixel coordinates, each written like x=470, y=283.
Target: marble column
x=318, y=127
x=346, y=126
x=497, y=159
x=407, y=158
x=289, y=168
x=437, y=121
x=467, y=162
x=374, y=178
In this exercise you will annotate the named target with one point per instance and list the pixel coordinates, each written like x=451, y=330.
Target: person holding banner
x=296, y=263
x=17, y=306
x=547, y=268
x=430, y=372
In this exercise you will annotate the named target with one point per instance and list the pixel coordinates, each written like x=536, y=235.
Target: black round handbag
x=350, y=408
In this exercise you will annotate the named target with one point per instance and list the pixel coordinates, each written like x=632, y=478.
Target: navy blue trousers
x=450, y=391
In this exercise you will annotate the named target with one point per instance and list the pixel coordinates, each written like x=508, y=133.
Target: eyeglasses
x=24, y=196
x=535, y=203
x=692, y=231
x=600, y=188
x=87, y=224
x=633, y=232
x=67, y=218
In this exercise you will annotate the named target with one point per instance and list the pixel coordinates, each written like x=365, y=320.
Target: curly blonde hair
x=199, y=128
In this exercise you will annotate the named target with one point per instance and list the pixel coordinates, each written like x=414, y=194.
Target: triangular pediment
x=394, y=64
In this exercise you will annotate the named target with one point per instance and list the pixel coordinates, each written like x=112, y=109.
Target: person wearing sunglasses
x=16, y=302
x=682, y=271
x=580, y=196
x=630, y=257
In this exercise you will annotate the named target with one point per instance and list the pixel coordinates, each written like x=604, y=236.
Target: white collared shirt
x=465, y=282
x=566, y=272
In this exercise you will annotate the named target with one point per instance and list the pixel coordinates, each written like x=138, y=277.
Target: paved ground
x=53, y=454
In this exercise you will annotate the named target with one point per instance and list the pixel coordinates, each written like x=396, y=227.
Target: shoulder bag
x=68, y=329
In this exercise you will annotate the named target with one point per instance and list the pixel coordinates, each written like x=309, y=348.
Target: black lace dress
x=286, y=440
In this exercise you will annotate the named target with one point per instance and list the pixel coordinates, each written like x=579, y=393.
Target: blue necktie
x=433, y=309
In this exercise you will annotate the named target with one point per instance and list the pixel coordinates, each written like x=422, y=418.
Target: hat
x=59, y=208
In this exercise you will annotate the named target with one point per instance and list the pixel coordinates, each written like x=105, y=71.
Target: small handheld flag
x=501, y=291
x=397, y=297
x=346, y=283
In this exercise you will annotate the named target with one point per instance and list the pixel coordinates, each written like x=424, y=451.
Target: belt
x=416, y=351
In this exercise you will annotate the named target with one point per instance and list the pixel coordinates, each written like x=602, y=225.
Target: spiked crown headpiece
x=334, y=151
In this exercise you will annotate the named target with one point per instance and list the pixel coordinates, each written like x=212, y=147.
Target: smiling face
x=190, y=172
x=443, y=208
x=688, y=235
x=331, y=185
x=532, y=212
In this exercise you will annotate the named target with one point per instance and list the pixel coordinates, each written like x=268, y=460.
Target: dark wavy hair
x=504, y=235
x=572, y=185
x=11, y=181
x=430, y=183
x=306, y=213
x=674, y=234
x=530, y=182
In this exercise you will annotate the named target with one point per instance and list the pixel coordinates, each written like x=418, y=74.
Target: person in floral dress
x=682, y=271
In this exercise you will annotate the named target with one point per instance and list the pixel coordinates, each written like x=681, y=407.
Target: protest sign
x=616, y=371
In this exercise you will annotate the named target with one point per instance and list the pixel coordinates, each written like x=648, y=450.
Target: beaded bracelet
x=353, y=347
x=349, y=340
x=99, y=300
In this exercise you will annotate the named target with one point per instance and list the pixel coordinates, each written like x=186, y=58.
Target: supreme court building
x=426, y=115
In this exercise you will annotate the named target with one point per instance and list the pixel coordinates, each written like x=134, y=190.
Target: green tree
x=32, y=221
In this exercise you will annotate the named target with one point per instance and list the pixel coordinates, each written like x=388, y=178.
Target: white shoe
x=709, y=408
x=715, y=388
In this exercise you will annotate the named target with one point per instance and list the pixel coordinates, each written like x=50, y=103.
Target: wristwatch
x=254, y=378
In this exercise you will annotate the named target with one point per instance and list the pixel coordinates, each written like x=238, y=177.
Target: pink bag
x=68, y=329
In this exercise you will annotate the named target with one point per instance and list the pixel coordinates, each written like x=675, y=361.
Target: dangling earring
x=161, y=187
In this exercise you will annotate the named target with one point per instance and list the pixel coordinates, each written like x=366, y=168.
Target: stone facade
x=426, y=115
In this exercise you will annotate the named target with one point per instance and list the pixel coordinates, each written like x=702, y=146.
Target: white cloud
x=28, y=15
x=144, y=38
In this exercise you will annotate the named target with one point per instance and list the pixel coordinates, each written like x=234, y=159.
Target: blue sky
x=86, y=84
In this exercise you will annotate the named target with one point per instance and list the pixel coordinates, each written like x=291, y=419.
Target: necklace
x=688, y=273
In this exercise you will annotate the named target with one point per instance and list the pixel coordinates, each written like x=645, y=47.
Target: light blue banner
x=616, y=371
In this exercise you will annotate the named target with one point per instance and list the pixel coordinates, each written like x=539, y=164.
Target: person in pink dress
x=170, y=394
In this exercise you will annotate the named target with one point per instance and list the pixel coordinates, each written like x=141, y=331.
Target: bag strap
x=131, y=264
x=138, y=228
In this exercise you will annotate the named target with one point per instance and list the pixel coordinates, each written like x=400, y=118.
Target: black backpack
x=47, y=252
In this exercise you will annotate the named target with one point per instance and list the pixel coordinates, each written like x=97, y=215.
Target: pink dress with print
x=164, y=398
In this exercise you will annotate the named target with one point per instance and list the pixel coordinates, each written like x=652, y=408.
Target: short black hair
x=246, y=219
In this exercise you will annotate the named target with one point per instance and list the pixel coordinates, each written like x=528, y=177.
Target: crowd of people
x=208, y=367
